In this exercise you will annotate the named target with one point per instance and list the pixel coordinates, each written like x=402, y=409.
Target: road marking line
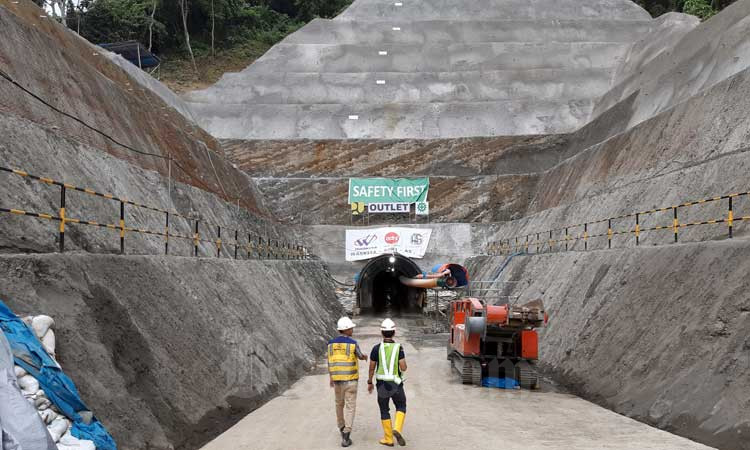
x=380, y=82
x=354, y=117
x=383, y=53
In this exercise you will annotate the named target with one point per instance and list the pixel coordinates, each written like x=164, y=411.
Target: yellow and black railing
x=566, y=238
x=252, y=246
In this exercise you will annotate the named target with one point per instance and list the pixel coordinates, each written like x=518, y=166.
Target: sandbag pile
x=58, y=425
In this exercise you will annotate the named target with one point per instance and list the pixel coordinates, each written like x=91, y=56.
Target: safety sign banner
x=366, y=243
x=389, y=208
x=388, y=190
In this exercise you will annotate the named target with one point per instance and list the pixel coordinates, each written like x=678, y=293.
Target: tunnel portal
x=379, y=289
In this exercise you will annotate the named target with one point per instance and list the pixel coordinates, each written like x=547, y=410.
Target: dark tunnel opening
x=388, y=294
x=380, y=291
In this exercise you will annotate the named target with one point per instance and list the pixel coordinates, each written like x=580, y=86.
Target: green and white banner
x=388, y=190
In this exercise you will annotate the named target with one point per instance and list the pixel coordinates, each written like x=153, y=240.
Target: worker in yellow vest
x=343, y=369
x=388, y=364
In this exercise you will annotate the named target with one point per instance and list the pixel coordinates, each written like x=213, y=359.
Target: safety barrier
x=566, y=238
x=252, y=246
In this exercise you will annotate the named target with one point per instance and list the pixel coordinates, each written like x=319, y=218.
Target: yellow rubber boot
x=398, y=428
x=388, y=433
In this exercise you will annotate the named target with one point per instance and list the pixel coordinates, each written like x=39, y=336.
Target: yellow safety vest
x=342, y=361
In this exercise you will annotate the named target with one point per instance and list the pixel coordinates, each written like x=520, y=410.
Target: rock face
x=659, y=334
x=429, y=69
x=169, y=352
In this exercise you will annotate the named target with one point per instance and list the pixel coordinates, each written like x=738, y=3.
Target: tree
x=699, y=8
x=184, y=9
x=151, y=26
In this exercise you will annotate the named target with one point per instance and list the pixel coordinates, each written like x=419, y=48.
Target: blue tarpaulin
x=29, y=354
x=501, y=383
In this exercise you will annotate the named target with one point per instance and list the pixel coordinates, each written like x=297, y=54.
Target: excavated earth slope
x=659, y=334
x=167, y=351
x=429, y=69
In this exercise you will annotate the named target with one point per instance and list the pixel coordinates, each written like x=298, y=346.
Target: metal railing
x=244, y=244
x=566, y=238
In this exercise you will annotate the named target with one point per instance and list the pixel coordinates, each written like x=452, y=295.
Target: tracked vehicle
x=495, y=341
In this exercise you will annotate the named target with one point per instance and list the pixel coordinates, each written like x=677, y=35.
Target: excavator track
x=527, y=377
x=469, y=369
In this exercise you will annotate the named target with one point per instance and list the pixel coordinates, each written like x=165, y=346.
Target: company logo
x=417, y=239
x=392, y=238
x=422, y=207
x=366, y=241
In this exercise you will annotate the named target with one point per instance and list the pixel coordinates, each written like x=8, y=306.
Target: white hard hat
x=388, y=325
x=345, y=323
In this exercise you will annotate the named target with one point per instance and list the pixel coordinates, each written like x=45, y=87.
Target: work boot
x=345, y=441
x=398, y=427
x=341, y=430
x=387, y=433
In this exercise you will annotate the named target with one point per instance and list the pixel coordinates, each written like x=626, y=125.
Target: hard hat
x=388, y=325
x=345, y=323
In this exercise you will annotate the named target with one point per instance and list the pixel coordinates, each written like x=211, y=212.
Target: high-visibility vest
x=342, y=361
x=387, y=369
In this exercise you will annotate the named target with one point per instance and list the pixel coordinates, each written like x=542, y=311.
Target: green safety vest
x=388, y=363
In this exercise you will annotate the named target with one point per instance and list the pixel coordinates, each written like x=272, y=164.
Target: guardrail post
x=276, y=249
x=609, y=233
x=218, y=241
x=196, y=239
x=537, y=242
x=730, y=218
x=585, y=237
x=637, y=229
x=527, y=244
x=675, y=223
x=551, y=243
x=249, y=246
x=566, y=239
x=236, y=239
x=122, y=227
x=166, y=236
x=62, y=219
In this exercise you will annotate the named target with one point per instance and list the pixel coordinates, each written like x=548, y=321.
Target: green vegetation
x=221, y=35
x=700, y=8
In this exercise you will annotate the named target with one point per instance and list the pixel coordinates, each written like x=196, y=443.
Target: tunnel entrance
x=380, y=291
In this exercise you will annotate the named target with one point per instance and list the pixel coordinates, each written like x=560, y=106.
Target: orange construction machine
x=497, y=342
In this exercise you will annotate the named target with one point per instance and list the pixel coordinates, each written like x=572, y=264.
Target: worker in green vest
x=388, y=364
x=343, y=369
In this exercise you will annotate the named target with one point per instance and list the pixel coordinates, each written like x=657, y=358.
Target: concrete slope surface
x=659, y=333
x=441, y=413
x=169, y=352
x=73, y=76
x=429, y=69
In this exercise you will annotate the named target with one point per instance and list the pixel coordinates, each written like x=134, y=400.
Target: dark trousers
x=388, y=391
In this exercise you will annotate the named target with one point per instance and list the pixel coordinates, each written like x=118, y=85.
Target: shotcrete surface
x=441, y=413
x=658, y=333
x=171, y=351
x=429, y=69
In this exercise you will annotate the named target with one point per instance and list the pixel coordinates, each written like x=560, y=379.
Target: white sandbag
x=28, y=384
x=58, y=428
x=69, y=442
x=42, y=403
x=27, y=320
x=48, y=342
x=20, y=371
x=22, y=427
x=48, y=415
x=41, y=324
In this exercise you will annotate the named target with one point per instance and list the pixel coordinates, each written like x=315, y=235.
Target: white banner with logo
x=364, y=243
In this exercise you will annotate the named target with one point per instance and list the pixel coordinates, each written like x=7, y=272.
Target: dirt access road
x=441, y=413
